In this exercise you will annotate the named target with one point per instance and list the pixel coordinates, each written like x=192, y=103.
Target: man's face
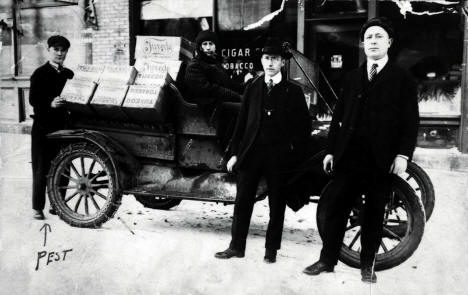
x=57, y=54
x=376, y=42
x=272, y=64
x=209, y=48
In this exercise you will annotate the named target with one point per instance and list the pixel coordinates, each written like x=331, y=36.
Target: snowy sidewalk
x=172, y=251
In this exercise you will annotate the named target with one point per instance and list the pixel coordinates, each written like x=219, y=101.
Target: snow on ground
x=171, y=252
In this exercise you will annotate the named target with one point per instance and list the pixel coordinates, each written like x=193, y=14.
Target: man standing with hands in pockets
x=47, y=83
x=272, y=126
x=372, y=135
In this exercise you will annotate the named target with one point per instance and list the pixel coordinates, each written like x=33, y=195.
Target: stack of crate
x=79, y=90
x=130, y=93
x=158, y=63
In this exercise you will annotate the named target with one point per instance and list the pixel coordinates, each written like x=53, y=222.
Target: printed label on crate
x=88, y=72
x=142, y=96
x=78, y=91
x=158, y=47
x=119, y=73
x=151, y=69
x=108, y=93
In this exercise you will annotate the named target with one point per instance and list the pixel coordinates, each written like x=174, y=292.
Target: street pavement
x=145, y=251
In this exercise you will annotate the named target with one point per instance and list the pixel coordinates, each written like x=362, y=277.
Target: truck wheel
x=403, y=227
x=155, y=202
x=418, y=179
x=82, y=185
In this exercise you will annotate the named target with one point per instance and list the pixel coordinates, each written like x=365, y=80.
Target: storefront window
x=180, y=18
x=430, y=47
x=6, y=50
x=38, y=24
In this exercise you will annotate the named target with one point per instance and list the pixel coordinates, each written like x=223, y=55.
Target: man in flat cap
x=273, y=124
x=372, y=135
x=47, y=83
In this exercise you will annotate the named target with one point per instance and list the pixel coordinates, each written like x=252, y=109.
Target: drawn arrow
x=46, y=228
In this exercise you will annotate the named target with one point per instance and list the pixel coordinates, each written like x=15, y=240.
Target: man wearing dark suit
x=372, y=134
x=273, y=124
x=47, y=83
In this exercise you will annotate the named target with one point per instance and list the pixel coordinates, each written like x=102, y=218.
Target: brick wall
x=111, y=41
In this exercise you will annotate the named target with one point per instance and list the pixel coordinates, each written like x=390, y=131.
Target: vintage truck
x=171, y=153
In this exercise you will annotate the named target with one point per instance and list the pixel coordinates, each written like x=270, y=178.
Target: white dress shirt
x=276, y=78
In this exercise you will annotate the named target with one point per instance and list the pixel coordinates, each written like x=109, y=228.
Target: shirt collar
x=276, y=78
x=56, y=66
x=380, y=63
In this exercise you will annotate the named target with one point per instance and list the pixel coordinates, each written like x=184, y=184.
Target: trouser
x=42, y=153
x=225, y=121
x=264, y=161
x=355, y=175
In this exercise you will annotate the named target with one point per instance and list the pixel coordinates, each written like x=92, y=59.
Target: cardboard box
x=77, y=93
x=163, y=47
x=107, y=100
x=89, y=72
x=147, y=103
x=120, y=74
x=151, y=71
x=79, y=90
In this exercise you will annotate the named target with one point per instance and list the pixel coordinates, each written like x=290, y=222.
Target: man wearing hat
x=273, y=124
x=208, y=83
x=372, y=135
x=47, y=83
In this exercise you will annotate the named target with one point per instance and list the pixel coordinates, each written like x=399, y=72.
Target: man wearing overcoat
x=47, y=83
x=372, y=135
x=273, y=125
x=210, y=87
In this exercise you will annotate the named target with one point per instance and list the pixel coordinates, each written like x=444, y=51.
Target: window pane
x=6, y=50
x=38, y=25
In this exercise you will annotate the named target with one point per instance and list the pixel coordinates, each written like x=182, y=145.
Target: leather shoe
x=368, y=275
x=38, y=215
x=270, y=256
x=229, y=253
x=317, y=268
x=52, y=211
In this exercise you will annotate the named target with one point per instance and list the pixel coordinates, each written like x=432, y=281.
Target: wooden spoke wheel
x=422, y=186
x=403, y=227
x=82, y=185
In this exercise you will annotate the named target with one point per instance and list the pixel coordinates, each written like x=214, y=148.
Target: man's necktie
x=59, y=68
x=270, y=85
x=373, y=72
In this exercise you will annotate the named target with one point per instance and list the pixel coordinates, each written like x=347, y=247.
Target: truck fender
x=125, y=164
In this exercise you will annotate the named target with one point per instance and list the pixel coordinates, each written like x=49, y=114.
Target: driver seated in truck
x=210, y=87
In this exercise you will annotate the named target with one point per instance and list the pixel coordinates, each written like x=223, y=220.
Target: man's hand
x=399, y=165
x=328, y=163
x=247, y=77
x=230, y=164
x=57, y=102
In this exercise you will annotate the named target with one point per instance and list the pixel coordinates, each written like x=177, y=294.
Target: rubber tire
x=426, y=186
x=400, y=252
x=113, y=201
x=157, y=203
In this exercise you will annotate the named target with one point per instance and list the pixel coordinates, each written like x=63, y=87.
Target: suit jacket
x=46, y=84
x=293, y=117
x=393, y=116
